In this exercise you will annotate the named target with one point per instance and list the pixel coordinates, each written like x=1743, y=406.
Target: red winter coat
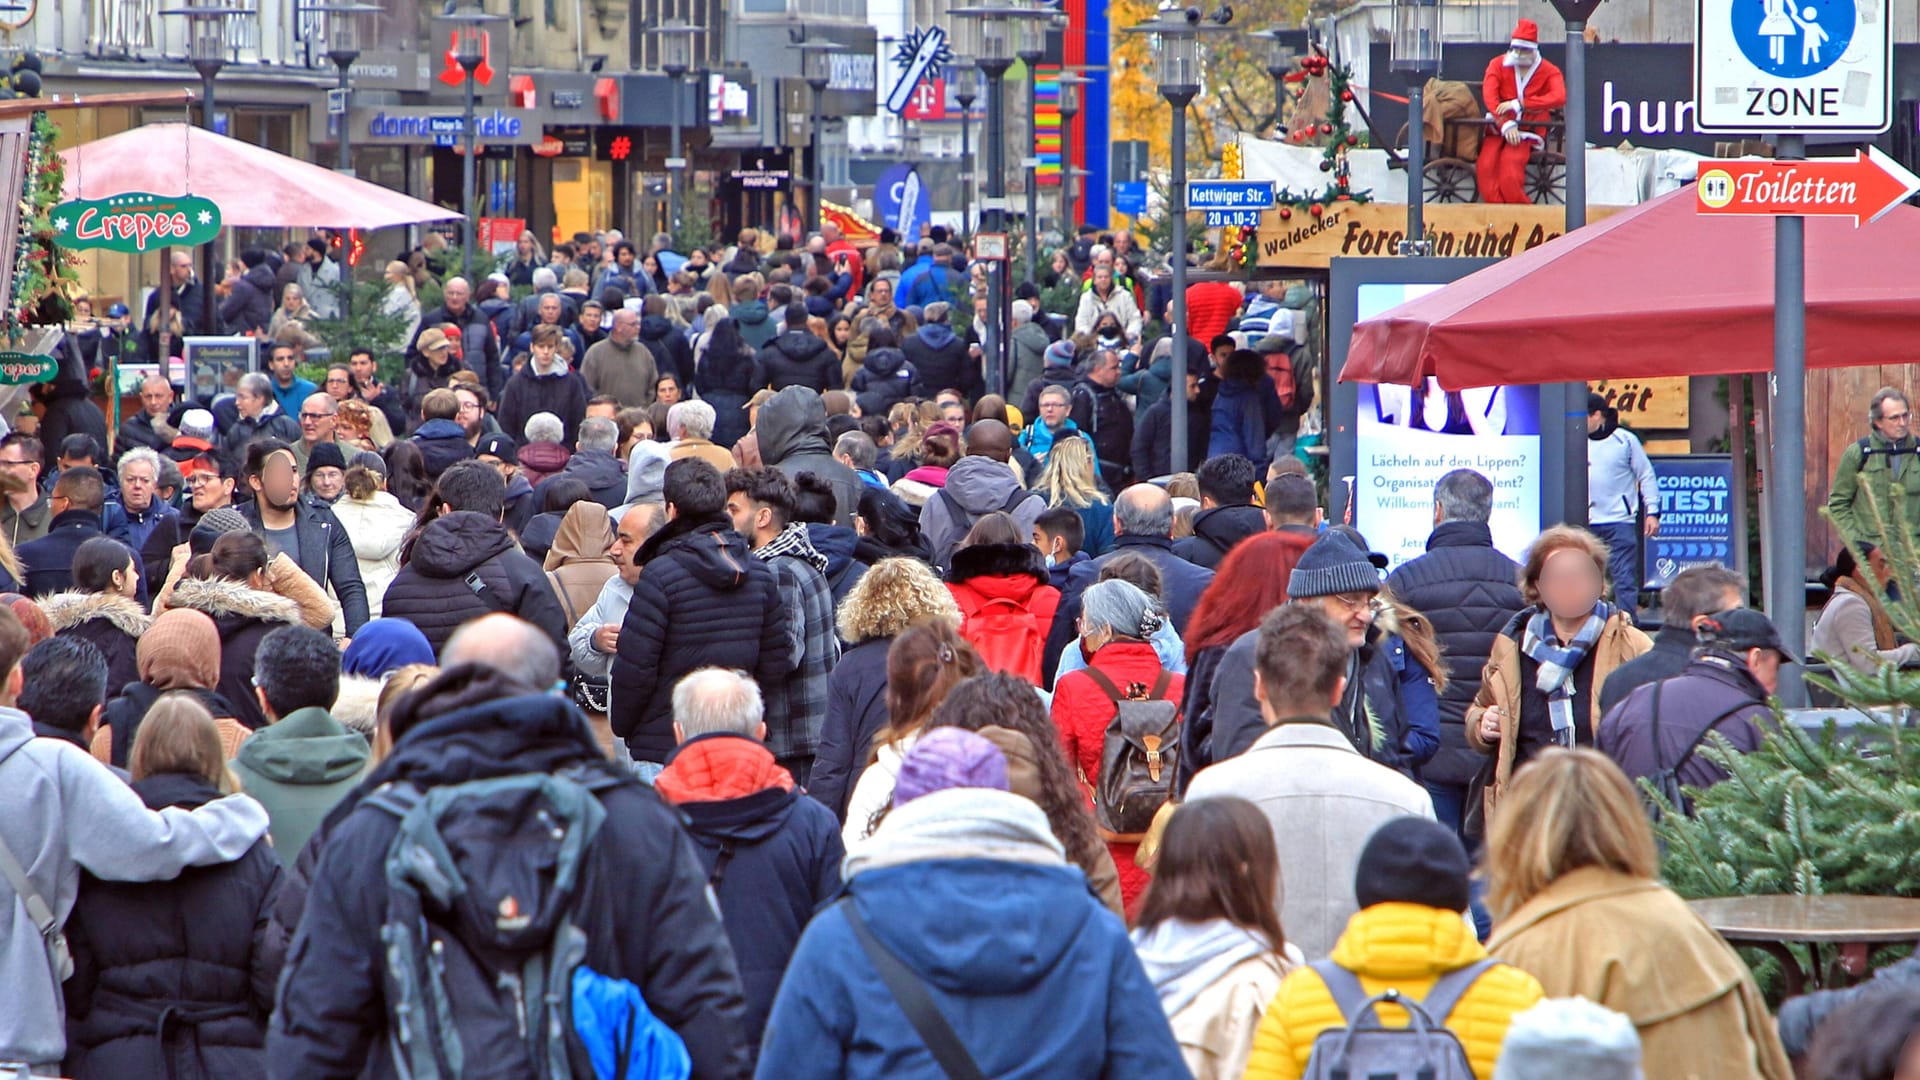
x=1210, y=307
x=1081, y=711
x=1546, y=91
x=997, y=585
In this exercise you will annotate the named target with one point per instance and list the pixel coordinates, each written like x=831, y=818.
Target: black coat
x=478, y=349
x=1468, y=590
x=326, y=556
x=797, y=358
x=563, y=393
x=1102, y=413
x=672, y=355
x=243, y=615
x=856, y=711
x=190, y=302
x=432, y=593
x=1183, y=581
x=107, y=621
x=1215, y=532
x=793, y=439
x=702, y=601
x=1236, y=722
x=844, y=569
x=191, y=954
x=1671, y=653
x=941, y=362
x=782, y=853
x=48, y=561
x=883, y=380
x=124, y=713
x=642, y=873
x=1153, y=437
x=604, y=475
x=249, y=306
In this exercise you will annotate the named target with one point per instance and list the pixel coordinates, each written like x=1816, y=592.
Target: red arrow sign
x=1863, y=188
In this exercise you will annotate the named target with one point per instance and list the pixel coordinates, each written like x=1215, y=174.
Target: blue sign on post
x=901, y=201
x=1697, y=513
x=1230, y=194
x=1130, y=198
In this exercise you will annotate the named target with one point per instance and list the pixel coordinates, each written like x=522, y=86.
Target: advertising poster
x=1409, y=437
x=216, y=364
x=1696, y=515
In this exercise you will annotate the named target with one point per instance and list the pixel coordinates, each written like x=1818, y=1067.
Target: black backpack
x=1665, y=780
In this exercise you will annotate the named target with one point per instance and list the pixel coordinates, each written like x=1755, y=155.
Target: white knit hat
x=1563, y=1038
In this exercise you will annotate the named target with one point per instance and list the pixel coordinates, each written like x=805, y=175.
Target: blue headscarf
x=383, y=646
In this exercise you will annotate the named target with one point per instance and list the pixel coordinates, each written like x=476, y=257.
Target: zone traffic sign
x=1793, y=66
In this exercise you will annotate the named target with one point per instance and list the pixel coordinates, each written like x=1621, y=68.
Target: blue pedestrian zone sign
x=1793, y=38
x=1793, y=66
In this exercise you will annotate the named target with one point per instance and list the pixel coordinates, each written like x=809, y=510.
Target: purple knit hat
x=949, y=757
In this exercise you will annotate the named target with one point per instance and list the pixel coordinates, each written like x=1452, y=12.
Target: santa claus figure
x=1521, y=91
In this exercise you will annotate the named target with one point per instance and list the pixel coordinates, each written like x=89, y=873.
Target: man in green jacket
x=1887, y=464
x=304, y=761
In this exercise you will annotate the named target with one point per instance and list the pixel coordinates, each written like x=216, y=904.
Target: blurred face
x=328, y=482
x=1353, y=611
x=1570, y=584
x=278, y=484
x=1054, y=409
x=136, y=485
x=209, y=491
x=281, y=364
x=317, y=420
x=1895, y=419
x=156, y=397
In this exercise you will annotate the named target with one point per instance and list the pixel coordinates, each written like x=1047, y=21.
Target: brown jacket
x=1023, y=776
x=577, y=564
x=710, y=452
x=1619, y=642
x=1635, y=947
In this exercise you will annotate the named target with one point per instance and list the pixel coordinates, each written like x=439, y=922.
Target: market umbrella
x=1655, y=290
x=254, y=187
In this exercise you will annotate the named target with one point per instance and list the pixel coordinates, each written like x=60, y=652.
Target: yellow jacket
x=1635, y=947
x=1406, y=947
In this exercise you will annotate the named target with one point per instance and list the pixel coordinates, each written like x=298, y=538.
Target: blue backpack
x=485, y=954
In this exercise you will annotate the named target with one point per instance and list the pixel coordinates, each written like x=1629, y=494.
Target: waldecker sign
x=135, y=222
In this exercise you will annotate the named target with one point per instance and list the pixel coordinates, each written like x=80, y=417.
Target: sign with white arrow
x=1864, y=187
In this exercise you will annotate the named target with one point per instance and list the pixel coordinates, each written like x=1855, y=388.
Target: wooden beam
x=57, y=103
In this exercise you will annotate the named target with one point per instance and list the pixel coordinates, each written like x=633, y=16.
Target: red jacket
x=1081, y=711
x=1546, y=91
x=715, y=770
x=855, y=264
x=1006, y=605
x=1210, y=307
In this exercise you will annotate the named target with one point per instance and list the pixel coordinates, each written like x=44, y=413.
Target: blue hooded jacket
x=1035, y=976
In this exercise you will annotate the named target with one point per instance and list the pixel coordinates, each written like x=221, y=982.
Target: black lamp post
x=1070, y=84
x=1032, y=50
x=469, y=51
x=966, y=82
x=208, y=23
x=817, y=68
x=1416, y=57
x=343, y=48
x=1280, y=60
x=1177, y=64
x=676, y=59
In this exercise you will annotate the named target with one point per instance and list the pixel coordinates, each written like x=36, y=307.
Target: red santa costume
x=1520, y=97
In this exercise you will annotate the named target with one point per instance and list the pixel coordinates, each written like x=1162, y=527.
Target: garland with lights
x=39, y=264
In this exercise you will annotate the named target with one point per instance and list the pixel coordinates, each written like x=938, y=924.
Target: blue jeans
x=647, y=771
x=1623, y=563
x=1449, y=805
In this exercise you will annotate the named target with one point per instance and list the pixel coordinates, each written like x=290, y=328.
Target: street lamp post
x=1070, y=84
x=207, y=41
x=469, y=51
x=1177, y=63
x=676, y=59
x=1033, y=49
x=966, y=76
x=1280, y=60
x=1416, y=56
x=817, y=68
x=343, y=48
x=1565, y=458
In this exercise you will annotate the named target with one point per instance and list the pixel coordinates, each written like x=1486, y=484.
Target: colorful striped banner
x=1046, y=124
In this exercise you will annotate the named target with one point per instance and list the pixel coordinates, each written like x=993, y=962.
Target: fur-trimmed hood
x=997, y=560
x=67, y=610
x=358, y=703
x=894, y=594
x=222, y=599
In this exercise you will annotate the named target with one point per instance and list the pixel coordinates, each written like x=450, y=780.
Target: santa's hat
x=1526, y=35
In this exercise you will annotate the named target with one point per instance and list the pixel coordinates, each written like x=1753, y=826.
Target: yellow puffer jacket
x=1406, y=947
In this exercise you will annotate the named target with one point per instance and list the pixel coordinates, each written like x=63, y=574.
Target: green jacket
x=299, y=767
x=1894, y=480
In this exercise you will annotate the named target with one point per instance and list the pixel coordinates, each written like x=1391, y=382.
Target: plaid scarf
x=1558, y=663
x=793, y=541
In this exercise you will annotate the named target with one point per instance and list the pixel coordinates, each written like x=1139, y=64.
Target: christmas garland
x=39, y=265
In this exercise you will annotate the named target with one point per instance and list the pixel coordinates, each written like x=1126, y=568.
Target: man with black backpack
x=499, y=898
x=1657, y=731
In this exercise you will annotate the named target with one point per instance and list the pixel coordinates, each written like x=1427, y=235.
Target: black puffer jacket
x=672, y=355
x=1370, y=714
x=174, y=978
x=726, y=383
x=884, y=379
x=942, y=362
x=432, y=593
x=243, y=616
x=1102, y=413
x=1215, y=532
x=856, y=711
x=1153, y=437
x=796, y=358
x=1468, y=590
x=723, y=609
x=249, y=307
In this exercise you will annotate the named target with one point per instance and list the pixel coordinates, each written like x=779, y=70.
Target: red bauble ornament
x=1353, y=140
x=1346, y=95
x=1326, y=129
x=1316, y=209
x=1285, y=213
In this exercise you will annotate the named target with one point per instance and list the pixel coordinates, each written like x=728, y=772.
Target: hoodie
x=793, y=438
x=941, y=362
x=969, y=889
x=884, y=379
x=837, y=543
x=756, y=325
x=796, y=358
x=772, y=854
x=979, y=486
x=671, y=352
x=561, y=392
x=299, y=767
x=1214, y=980
x=577, y=563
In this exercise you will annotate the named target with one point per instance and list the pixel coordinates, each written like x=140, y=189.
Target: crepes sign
x=136, y=222
x=18, y=368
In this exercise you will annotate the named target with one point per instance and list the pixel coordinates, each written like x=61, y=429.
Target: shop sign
x=1647, y=404
x=1458, y=230
x=18, y=368
x=444, y=127
x=136, y=222
x=764, y=174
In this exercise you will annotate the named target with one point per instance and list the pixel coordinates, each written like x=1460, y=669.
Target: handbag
x=593, y=693
x=910, y=993
x=56, y=941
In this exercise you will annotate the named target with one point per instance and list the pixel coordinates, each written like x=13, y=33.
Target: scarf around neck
x=793, y=541
x=1559, y=662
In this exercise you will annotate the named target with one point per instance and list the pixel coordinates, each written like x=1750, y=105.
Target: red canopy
x=254, y=187
x=1655, y=290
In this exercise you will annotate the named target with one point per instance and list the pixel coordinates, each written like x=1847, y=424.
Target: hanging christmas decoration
x=40, y=266
x=1335, y=138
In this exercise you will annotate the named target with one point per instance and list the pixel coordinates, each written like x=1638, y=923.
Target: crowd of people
x=713, y=666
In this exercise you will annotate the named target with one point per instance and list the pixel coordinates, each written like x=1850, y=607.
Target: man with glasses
x=1620, y=484
x=139, y=510
x=1884, y=467
x=25, y=512
x=319, y=423
x=77, y=499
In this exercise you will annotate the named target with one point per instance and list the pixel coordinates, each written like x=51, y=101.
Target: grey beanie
x=1570, y=1037
x=1330, y=567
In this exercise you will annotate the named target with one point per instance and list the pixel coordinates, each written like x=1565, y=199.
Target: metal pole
x=994, y=220
x=208, y=256
x=467, y=192
x=1067, y=228
x=1576, y=123
x=346, y=130
x=1177, y=389
x=966, y=165
x=1416, y=164
x=1786, y=588
x=1279, y=98
x=677, y=171
x=814, y=173
x=1033, y=173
